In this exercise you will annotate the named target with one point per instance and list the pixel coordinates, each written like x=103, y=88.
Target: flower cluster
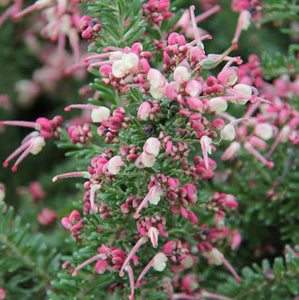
x=146, y=160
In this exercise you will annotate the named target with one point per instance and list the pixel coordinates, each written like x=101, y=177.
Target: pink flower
x=152, y=146
x=195, y=104
x=158, y=263
x=144, y=111
x=157, y=82
x=193, y=88
x=47, y=216
x=114, y=165
x=181, y=74
x=228, y=76
x=217, y=258
x=100, y=114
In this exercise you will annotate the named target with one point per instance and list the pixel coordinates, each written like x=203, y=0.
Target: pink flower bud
x=87, y=33
x=47, y=216
x=74, y=216
x=114, y=165
x=172, y=90
x=105, y=70
x=228, y=76
x=192, y=217
x=36, y=191
x=66, y=223
x=235, y=239
x=144, y=111
x=217, y=105
x=100, y=114
x=218, y=124
x=101, y=266
x=195, y=104
x=258, y=143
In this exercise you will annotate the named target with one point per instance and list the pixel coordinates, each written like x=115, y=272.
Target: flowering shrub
x=181, y=165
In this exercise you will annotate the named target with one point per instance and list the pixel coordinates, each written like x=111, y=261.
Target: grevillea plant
x=164, y=154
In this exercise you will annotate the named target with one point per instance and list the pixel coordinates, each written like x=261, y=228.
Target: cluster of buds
x=132, y=202
x=221, y=201
x=125, y=68
x=148, y=110
x=157, y=10
x=89, y=27
x=109, y=258
x=80, y=134
x=110, y=128
x=151, y=227
x=73, y=223
x=130, y=152
x=180, y=151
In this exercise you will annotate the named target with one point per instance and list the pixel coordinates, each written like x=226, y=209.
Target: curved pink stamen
x=70, y=175
x=96, y=257
x=83, y=106
x=207, y=13
x=131, y=278
x=254, y=152
x=16, y=152
x=22, y=156
x=139, y=243
x=145, y=200
x=21, y=123
x=195, y=29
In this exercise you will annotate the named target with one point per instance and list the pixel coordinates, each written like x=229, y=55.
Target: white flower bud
x=228, y=132
x=100, y=114
x=217, y=105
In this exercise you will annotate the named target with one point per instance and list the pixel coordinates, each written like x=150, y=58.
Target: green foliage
x=279, y=281
x=27, y=262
